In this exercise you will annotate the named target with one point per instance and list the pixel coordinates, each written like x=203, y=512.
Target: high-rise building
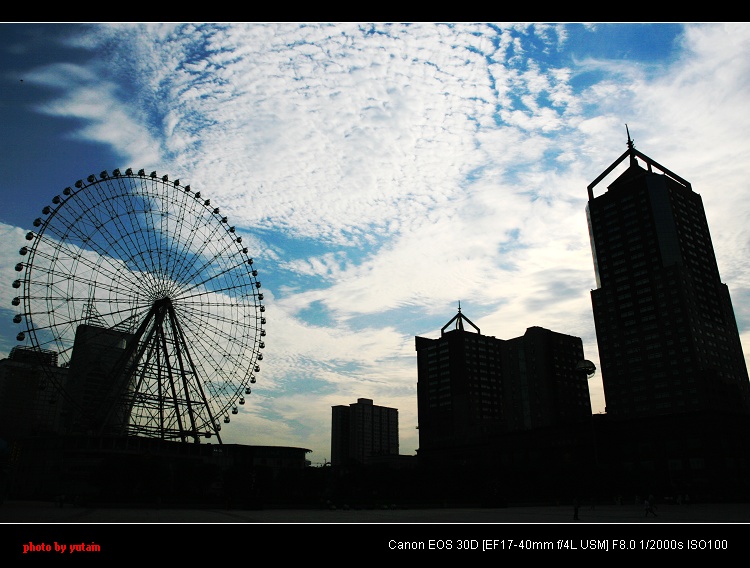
x=666, y=330
x=99, y=382
x=363, y=432
x=30, y=404
x=472, y=389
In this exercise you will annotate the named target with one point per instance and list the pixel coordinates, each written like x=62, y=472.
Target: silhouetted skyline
x=381, y=173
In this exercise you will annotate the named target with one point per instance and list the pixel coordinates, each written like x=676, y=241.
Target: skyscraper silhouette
x=667, y=335
x=362, y=431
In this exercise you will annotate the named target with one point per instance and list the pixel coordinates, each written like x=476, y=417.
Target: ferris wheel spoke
x=84, y=251
x=206, y=233
x=217, y=281
x=165, y=226
x=218, y=245
x=189, y=229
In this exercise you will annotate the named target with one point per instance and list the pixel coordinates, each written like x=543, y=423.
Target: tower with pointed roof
x=666, y=331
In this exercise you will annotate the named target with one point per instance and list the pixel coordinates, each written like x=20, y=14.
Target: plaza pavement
x=16, y=512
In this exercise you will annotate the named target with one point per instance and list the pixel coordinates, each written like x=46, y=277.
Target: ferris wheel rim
x=135, y=245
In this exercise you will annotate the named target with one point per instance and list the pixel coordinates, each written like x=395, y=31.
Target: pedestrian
x=649, y=506
x=576, y=506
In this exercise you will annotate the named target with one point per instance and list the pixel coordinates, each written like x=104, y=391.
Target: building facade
x=96, y=383
x=667, y=335
x=473, y=389
x=363, y=432
x=30, y=404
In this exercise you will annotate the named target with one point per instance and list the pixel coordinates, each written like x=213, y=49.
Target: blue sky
x=383, y=173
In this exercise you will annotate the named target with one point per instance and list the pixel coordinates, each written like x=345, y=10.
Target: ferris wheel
x=148, y=302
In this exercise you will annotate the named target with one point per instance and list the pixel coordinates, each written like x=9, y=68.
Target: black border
x=220, y=542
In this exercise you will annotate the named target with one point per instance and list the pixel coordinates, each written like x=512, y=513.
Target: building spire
x=633, y=153
x=459, y=318
x=631, y=147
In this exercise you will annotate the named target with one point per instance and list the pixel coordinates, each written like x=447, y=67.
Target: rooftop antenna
x=631, y=147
